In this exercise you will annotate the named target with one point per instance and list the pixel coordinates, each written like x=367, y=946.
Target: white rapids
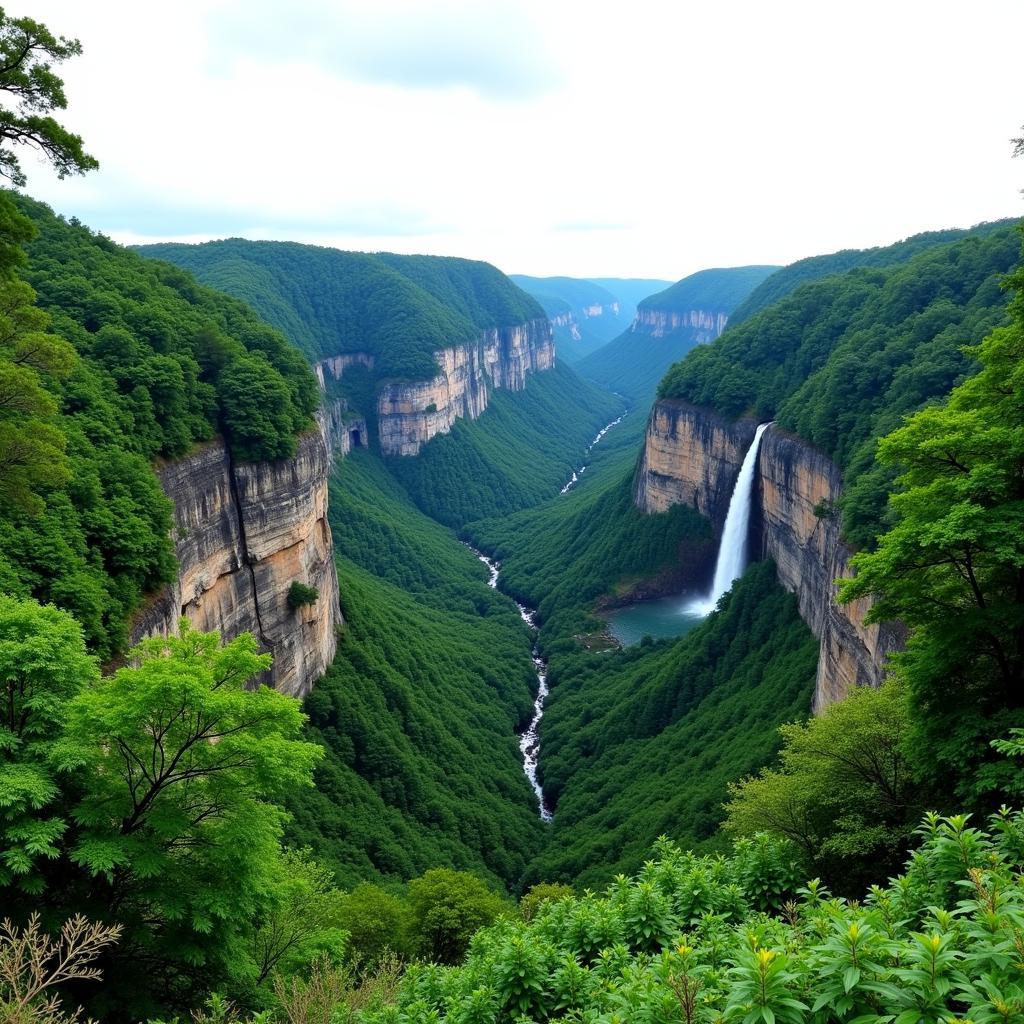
x=577, y=473
x=529, y=741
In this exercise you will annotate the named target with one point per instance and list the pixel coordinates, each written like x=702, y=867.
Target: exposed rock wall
x=568, y=321
x=659, y=322
x=336, y=366
x=596, y=309
x=410, y=414
x=693, y=456
x=341, y=429
x=243, y=534
x=800, y=531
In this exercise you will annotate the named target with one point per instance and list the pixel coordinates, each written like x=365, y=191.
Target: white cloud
x=641, y=139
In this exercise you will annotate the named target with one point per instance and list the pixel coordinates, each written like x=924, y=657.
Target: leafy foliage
x=419, y=708
x=688, y=939
x=644, y=742
x=952, y=567
x=124, y=361
x=28, y=51
x=843, y=793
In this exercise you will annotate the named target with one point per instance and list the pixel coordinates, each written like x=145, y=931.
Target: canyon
x=693, y=456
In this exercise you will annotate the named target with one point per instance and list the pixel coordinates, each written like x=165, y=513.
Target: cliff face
x=692, y=455
x=596, y=309
x=795, y=479
x=410, y=414
x=659, y=322
x=243, y=534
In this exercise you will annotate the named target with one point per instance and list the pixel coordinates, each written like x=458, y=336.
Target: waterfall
x=732, y=552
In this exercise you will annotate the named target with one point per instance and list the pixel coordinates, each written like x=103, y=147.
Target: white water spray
x=732, y=552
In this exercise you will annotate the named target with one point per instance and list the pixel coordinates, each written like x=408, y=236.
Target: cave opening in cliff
x=356, y=438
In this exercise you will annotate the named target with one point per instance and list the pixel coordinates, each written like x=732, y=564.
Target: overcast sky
x=635, y=139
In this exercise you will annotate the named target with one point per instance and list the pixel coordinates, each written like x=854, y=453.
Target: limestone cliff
x=567, y=321
x=410, y=414
x=693, y=456
x=658, y=322
x=243, y=534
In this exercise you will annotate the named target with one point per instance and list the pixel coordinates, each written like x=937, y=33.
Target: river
x=529, y=741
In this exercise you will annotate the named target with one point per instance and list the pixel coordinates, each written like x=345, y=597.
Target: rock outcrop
x=709, y=324
x=693, y=456
x=410, y=414
x=336, y=366
x=243, y=534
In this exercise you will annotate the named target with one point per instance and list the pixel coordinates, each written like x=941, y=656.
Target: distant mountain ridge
x=587, y=313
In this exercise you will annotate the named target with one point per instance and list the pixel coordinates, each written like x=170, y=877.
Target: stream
x=529, y=741
x=577, y=473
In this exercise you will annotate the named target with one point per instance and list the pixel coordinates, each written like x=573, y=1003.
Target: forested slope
x=518, y=453
x=150, y=363
x=634, y=362
x=400, y=309
x=842, y=360
x=419, y=710
x=813, y=268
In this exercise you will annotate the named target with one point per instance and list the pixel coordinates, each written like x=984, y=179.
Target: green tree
x=28, y=51
x=952, y=568
x=31, y=445
x=842, y=792
x=376, y=923
x=183, y=771
x=446, y=909
x=43, y=665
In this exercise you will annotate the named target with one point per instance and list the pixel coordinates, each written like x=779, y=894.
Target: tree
x=446, y=909
x=842, y=793
x=952, y=568
x=28, y=50
x=43, y=665
x=183, y=772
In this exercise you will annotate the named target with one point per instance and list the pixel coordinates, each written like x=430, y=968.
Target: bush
x=300, y=594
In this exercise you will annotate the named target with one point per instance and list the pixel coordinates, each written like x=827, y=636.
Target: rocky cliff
x=659, y=322
x=243, y=534
x=693, y=456
x=410, y=414
x=690, y=457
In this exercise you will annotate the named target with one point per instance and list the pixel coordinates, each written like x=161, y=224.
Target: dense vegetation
x=644, y=742
x=787, y=279
x=718, y=290
x=740, y=939
x=132, y=361
x=842, y=360
x=635, y=362
x=520, y=452
x=419, y=709
x=400, y=309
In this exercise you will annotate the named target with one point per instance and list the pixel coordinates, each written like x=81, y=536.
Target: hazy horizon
x=647, y=141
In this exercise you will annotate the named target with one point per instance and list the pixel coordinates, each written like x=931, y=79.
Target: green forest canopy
x=401, y=309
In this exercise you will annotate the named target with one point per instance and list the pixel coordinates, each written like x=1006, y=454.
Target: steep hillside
x=399, y=309
x=693, y=311
x=813, y=268
x=842, y=360
x=160, y=363
x=419, y=710
x=584, y=314
x=520, y=453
